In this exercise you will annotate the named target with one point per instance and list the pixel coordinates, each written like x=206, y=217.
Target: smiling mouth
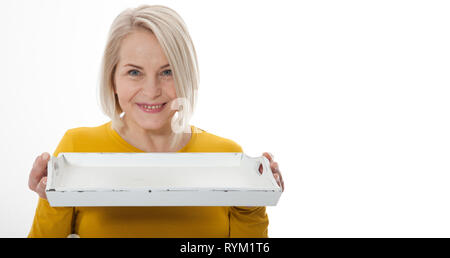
x=152, y=108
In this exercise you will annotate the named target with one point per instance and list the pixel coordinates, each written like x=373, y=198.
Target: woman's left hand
x=275, y=169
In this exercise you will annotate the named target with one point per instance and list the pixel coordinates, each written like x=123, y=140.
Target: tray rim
x=260, y=160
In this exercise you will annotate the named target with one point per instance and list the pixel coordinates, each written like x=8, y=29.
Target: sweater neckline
x=132, y=148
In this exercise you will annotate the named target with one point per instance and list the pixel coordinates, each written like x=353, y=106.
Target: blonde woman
x=148, y=88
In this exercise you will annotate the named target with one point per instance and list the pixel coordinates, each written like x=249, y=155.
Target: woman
x=148, y=88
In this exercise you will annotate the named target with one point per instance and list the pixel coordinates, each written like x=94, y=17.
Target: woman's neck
x=151, y=140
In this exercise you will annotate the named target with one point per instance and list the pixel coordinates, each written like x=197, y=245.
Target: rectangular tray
x=160, y=179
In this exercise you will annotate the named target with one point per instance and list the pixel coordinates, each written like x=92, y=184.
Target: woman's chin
x=152, y=125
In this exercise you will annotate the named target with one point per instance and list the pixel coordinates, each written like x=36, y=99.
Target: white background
x=351, y=97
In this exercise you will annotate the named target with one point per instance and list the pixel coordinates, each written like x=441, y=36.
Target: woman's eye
x=167, y=72
x=133, y=72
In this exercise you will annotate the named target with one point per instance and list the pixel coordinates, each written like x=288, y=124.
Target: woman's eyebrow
x=142, y=68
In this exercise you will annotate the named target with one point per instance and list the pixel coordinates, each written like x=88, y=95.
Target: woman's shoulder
x=210, y=142
x=83, y=139
x=87, y=131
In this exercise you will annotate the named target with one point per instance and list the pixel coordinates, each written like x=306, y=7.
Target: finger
x=274, y=166
x=277, y=178
x=277, y=174
x=268, y=155
x=281, y=180
x=40, y=189
x=39, y=170
x=280, y=177
x=34, y=177
x=260, y=169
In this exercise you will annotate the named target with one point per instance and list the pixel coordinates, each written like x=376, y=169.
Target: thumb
x=40, y=189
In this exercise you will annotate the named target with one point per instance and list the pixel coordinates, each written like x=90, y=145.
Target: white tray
x=160, y=179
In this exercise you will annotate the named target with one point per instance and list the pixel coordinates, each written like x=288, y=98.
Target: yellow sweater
x=176, y=221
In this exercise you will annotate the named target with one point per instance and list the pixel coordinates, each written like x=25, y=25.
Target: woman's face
x=143, y=79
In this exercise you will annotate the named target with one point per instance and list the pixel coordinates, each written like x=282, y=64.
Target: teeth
x=152, y=107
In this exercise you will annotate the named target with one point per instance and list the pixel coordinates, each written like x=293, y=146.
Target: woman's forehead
x=140, y=43
x=141, y=48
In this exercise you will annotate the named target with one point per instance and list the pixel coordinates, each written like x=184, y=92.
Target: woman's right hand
x=38, y=175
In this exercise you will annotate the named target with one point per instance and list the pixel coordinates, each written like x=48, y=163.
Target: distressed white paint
x=160, y=179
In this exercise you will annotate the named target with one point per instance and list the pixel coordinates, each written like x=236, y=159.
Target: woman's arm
x=248, y=222
x=51, y=221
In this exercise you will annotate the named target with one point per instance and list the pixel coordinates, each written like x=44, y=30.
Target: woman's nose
x=152, y=87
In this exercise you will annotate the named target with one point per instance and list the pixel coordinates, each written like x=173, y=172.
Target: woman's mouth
x=151, y=108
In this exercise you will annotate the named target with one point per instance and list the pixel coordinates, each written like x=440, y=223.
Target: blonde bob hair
x=173, y=36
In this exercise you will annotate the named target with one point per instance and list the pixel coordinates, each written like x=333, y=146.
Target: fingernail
x=271, y=155
x=44, y=181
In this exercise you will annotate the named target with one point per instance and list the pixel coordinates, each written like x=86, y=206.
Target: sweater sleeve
x=248, y=222
x=54, y=221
